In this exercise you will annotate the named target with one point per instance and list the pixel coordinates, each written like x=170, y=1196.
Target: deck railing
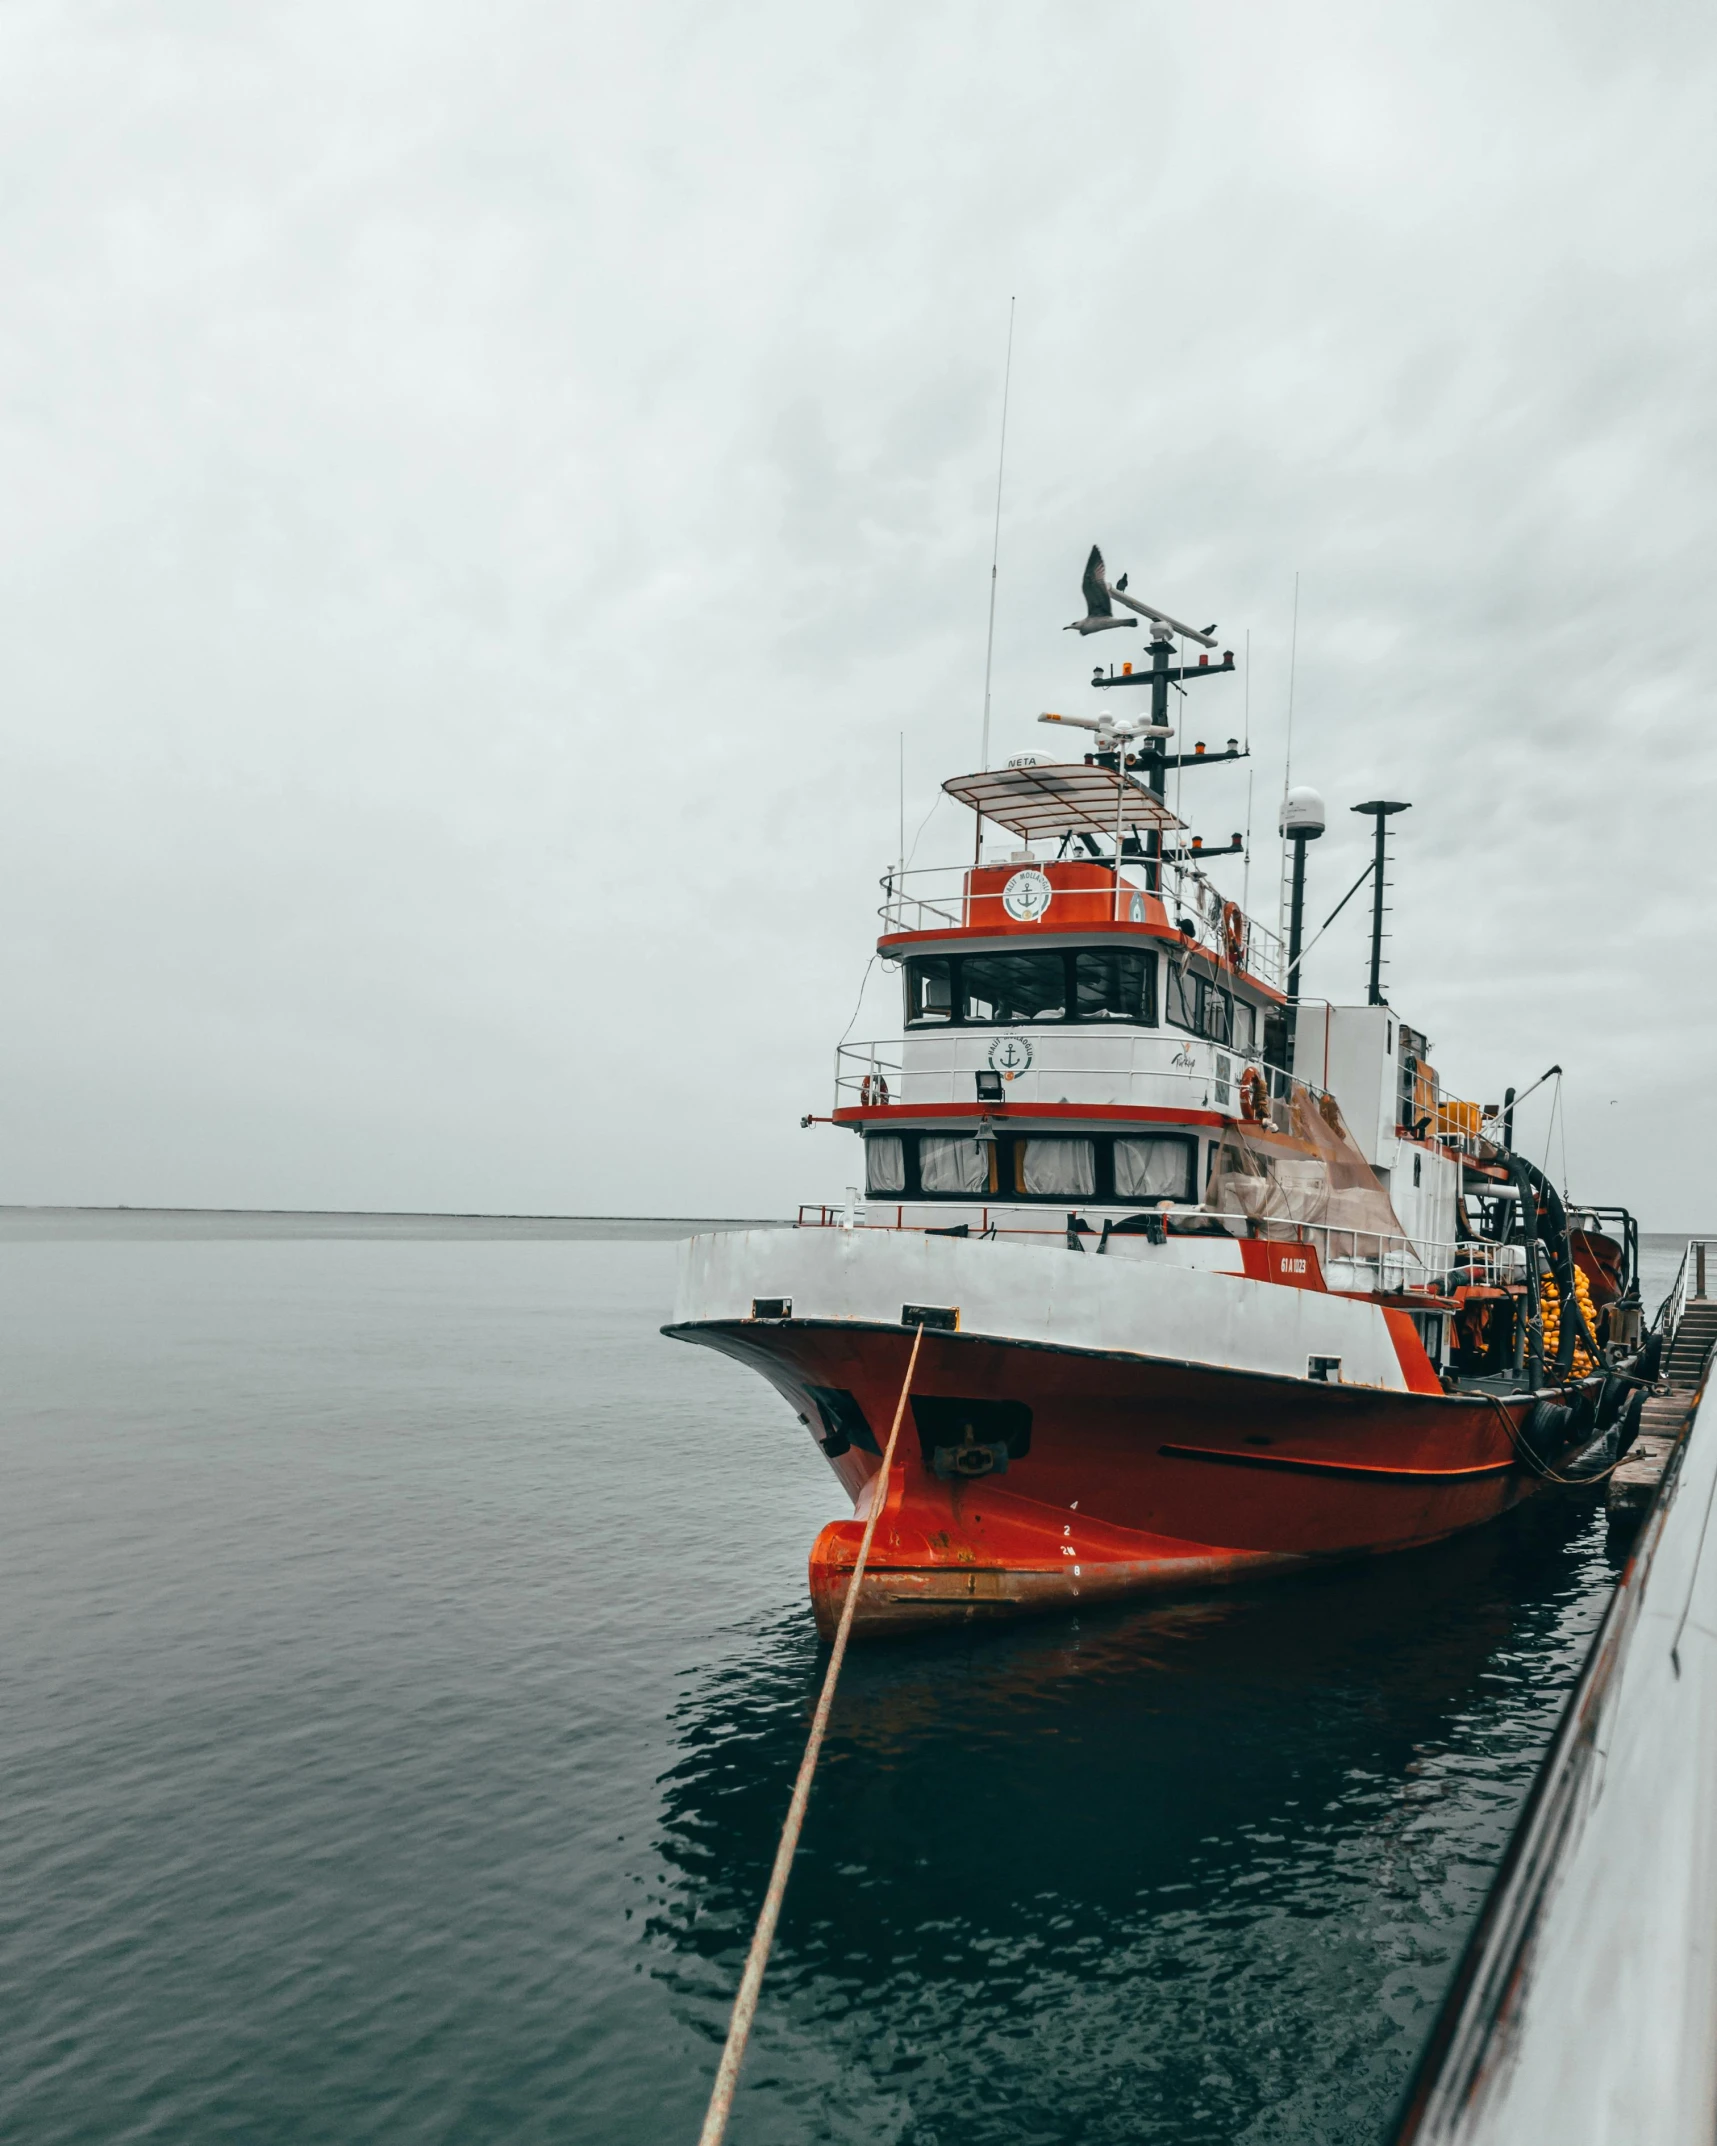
x=871, y=1075
x=937, y=898
x=1355, y=1261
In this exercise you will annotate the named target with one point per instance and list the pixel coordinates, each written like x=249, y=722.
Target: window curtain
x=1064, y=1168
x=884, y=1163
x=952, y=1165
x=1153, y=1170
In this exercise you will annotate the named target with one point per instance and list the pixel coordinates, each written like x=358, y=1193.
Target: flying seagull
x=1099, y=611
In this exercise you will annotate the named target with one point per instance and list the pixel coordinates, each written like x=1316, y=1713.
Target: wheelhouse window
x=1207, y=1008
x=1245, y=1037
x=1013, y=987
x=1183, y=996
x=929, y=991
x=953, y=1164
x=1158, y=1166
x=884, y=1163
x=1118, y=985
x=999, y=990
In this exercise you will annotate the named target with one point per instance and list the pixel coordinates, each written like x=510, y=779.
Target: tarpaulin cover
x=1301, y=1167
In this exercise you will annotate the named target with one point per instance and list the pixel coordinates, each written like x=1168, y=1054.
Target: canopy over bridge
x=1043, y=802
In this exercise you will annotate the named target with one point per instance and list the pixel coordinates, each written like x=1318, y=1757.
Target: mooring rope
x=1542, y=1468
x=757, y=1959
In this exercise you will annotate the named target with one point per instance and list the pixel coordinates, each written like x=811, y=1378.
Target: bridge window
x=1115, y=986
x=930, y=990
x=1183, y=996
x=884, y=1163
x=952, y=1164
x=1199, y=1003
x=1013, y=987
x=996, y=990
x=1159, y=1166
x=1061, y=1169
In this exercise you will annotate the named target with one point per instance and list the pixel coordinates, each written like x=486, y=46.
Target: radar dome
x=1303, y=812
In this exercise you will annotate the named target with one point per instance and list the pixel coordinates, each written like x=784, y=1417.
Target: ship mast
x=1154, y=758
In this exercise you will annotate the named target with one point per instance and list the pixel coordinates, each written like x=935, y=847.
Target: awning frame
x=1062, y=798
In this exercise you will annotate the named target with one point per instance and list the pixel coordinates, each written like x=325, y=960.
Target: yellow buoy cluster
x=1550, y=1299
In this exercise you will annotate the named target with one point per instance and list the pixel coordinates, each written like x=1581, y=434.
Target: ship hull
x=1112, y=1470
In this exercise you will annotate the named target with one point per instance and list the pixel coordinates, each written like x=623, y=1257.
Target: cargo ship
x=1214, y=1279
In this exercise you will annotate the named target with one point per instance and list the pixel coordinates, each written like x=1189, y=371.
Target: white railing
x=1352, y=1261
x=925, y=898
x=1089, y=1064
x=869, y=1074
x=939, y=898
x=1188, y=896
x=1690, y=1284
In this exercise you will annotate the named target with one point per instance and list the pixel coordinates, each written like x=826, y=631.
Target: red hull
x=1139, y=1475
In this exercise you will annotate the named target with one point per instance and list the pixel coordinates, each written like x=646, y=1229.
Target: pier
x=1689, y=1328
x=1585, y=2006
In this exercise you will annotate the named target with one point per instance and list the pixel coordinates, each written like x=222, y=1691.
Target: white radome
x=1303, y=812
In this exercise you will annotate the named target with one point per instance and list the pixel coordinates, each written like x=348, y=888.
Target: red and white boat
x=1213, y=1279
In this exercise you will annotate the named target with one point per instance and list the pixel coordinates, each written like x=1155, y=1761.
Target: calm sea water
x=406, y=1663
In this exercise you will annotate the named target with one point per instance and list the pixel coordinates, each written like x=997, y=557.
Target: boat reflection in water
x=1191, y=1871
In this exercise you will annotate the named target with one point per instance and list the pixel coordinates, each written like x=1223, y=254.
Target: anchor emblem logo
x=1010, y=1056
x=1027, y=895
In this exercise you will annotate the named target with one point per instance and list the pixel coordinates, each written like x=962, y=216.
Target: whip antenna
x=1288, y=756
x=996, y=540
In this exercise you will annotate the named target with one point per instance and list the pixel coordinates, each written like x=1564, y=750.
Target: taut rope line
x=757, y=1959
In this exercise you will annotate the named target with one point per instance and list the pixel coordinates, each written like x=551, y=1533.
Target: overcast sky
x=488, y=488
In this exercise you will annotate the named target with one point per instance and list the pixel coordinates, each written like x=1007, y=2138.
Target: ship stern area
x=1082, y=1429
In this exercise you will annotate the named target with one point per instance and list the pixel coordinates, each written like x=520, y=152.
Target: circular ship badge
x=1010, y=1056
x=1026, y=896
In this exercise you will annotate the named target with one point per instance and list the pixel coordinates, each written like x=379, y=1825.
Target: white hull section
x=1156, y=1309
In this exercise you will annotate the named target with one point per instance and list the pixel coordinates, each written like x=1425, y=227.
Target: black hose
x=1540, y=1197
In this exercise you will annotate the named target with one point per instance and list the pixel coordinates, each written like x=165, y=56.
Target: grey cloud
x=485, y=498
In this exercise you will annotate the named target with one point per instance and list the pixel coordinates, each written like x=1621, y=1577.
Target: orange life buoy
x=873, y=1089
x=1254, y=1096
x=1234, y=933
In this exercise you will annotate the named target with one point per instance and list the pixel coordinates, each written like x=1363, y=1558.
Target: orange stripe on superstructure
x=1416, y=1366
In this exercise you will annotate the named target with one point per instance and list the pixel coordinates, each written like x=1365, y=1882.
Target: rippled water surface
x=406, y=1663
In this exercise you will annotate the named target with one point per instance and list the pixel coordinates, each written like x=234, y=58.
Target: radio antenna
x=996, y=539
x=1293, y=661
x=1288, y=758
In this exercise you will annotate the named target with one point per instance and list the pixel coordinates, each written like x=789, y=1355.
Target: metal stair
x=1695, y=1337
x=1689, y=1318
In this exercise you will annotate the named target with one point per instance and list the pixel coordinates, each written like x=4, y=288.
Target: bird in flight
x=1099, y=611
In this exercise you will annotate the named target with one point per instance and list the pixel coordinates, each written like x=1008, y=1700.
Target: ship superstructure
x=1213, y=1278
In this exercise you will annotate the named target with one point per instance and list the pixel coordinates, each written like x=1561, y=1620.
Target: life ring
x=1234, y=933
x=1254, y=1096
x=873, y=1090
